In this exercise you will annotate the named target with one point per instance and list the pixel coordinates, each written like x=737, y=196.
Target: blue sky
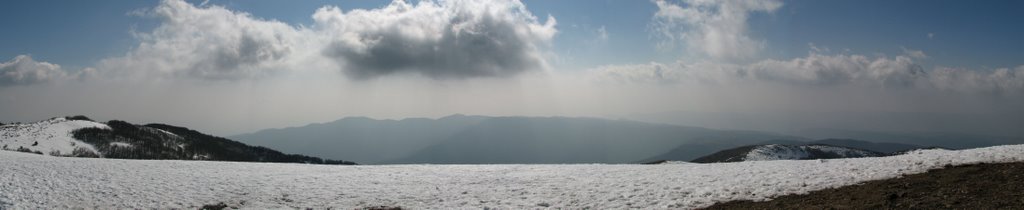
x=266, y=63
x=971, y=34
x=964, y=34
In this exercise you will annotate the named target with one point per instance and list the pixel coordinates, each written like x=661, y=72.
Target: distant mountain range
x=573, y=140
x=939, y=139
x=456, y=139
x=81, y=137
x=479, y=139
x=951, y=130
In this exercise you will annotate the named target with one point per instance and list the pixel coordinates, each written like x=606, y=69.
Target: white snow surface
x=121, y=144
x=791, y=152
x=29, y=181
x=776, y=152
x=51, y=135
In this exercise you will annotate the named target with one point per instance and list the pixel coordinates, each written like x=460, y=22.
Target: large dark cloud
x=449, y=39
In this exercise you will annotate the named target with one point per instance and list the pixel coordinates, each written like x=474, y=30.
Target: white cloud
x=602, y=34
x=714, y=28
x=658, y=73
x=207, y=43
x=640, y=73
x=23, y=70
x=446, y=39
x=931, y=35
x=817, y=69
x=914, y=53
x=998, y=81
x=899, y=72
x=816, y=49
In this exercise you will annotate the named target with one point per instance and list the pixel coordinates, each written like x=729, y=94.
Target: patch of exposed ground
x=982, y=186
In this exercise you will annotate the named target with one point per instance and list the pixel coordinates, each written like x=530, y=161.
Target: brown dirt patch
x=982, y=186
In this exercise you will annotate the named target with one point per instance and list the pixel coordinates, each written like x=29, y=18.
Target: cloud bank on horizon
x=460, y=54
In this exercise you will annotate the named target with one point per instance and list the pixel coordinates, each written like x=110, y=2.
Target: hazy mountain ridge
x=80, y=136
x=573, y=140
x=361, y=139
x=951, y=140
x=480, y=139
x=900, y=126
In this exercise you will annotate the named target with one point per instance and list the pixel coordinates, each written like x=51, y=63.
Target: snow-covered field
x=29, y=181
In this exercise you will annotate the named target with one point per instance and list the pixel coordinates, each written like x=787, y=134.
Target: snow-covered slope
x=80, y=137
x=785, y=152
x=776, y=152
x=42, y=182
x=48, y=136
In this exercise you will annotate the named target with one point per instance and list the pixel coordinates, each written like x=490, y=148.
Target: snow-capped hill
x=81, y=137
x=819, y=151
x=786, y=152
x=50, y=137
x=776, y=152
x=844, y=152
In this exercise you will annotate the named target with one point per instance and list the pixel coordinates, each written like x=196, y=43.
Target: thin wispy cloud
x=717, y=29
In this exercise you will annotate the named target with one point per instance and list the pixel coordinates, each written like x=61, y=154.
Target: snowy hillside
x=43, y=182
x=461, y=139
x=81, y=137
x=786, y=152
x=50, y=137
